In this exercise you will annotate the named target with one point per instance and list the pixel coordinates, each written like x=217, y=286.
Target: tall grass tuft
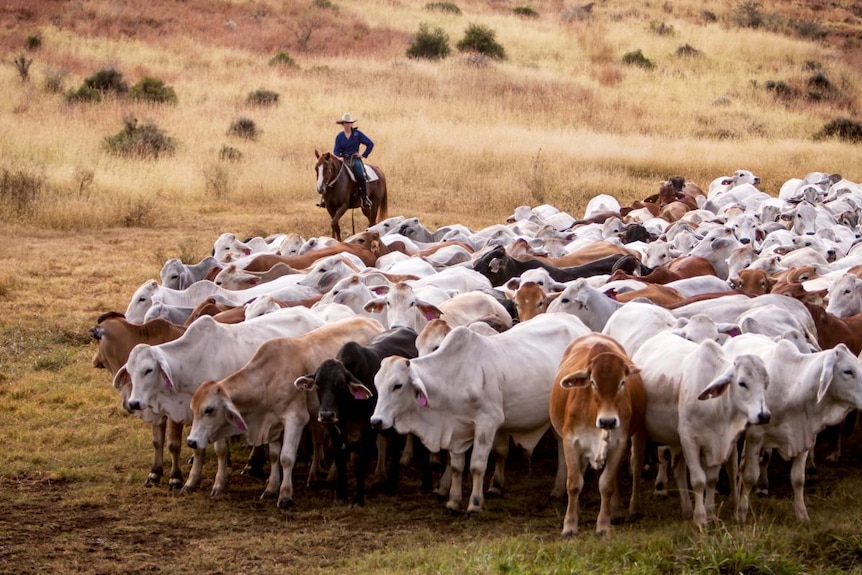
x=20, y=191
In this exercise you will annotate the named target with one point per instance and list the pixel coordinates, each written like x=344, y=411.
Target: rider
x=346, y=147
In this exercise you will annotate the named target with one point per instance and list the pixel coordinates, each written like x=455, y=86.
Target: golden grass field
x=463, y=140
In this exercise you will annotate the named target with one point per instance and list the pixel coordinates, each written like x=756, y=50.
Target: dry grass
x=559, y=121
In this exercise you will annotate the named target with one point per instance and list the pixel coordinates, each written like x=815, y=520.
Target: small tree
x=140, y=141
x=153, y=90
x=429, y=44
x=481, y=39
x=22, y=64
x=283, y=59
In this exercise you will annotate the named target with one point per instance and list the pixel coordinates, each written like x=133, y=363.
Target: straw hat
x=347, y=118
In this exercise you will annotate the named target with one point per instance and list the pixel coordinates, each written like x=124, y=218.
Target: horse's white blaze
x=320, y=179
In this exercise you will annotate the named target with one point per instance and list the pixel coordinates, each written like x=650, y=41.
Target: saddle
x=370, y=174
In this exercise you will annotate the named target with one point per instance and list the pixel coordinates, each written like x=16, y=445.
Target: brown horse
x=340, y=192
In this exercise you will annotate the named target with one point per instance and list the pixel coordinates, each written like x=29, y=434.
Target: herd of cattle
x=721, y=324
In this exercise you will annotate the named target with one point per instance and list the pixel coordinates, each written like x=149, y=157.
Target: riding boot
x=363, y=194
x=321, y=203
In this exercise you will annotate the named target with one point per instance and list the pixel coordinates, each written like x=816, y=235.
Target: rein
x=335, y=178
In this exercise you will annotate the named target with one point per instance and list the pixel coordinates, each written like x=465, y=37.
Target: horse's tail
x=383, y=212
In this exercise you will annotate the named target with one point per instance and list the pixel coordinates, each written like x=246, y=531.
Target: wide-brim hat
x=347, y=118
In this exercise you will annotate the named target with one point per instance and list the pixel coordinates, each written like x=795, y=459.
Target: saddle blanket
x=370, y=174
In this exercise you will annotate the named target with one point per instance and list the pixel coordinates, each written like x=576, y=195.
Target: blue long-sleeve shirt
x=346, y=147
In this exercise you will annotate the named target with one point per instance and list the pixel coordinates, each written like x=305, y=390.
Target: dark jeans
x=358, y=168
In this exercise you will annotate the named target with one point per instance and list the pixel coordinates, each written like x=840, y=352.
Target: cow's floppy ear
x=375, y=306
x=122, y=378
x=421, y=393
x=826, y=374
x=358, y=390
x=305, y=382
x=428, y=311
x=233, y=415
x=379, y=289
x=577, y=379
x=166, y=369
x=716, y=387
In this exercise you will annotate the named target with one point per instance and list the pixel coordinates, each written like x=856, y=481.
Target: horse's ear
x=316, y=153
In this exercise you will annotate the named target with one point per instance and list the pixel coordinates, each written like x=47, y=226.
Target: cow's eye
x=209, y=411
x=148, y=371
x=848, y=372
x=397, y=386
x=566, y=300
x=743, y=385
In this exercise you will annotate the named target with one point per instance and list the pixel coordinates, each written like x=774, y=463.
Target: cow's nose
x=763, y=417
x=608, y=422
x=809, y=233
x=745, y=241
x=327, y=417
x=135, y=405
x=192, y=443
x=376, y=423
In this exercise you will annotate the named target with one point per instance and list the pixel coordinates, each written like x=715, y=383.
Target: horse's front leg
x=336, y=228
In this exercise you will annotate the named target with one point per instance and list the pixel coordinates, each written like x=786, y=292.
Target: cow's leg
x=381, y=444
x=318, y=441
x=680, y=474
x=407, y=453
x=194, y=479
x=256, y=460
x=158, y=467
x=293, y=426
x=661, y=478
x=560, y=479
x=395, y=443
x=574, y=484
x=750, y=469
x=445, y=486
x=731, y=467
x=456, y=472
x=222, y=449
x=608, y=488
x=482, y=445
x=272, y=484
x=636, y=465
x=712, y=473
x=501, y=452
x=340, y=455
x=697, y=476
x=763, y=480
x=797, y=480
x=174, y=435
x=367, y=444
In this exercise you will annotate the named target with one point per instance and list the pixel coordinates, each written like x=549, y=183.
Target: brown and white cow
x=597, y=403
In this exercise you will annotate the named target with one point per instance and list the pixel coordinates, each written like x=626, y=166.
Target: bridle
x=328, y=166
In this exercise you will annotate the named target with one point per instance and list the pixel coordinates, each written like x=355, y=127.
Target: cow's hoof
x=216, y=492
x=472, y=513
x=494, y=493
x=152, y=480
x=763, y=493
x=570, y=534
x=256, y=472
x=266, y=495
x=285, y=503
x=636, y=516
x=602, y=532
x=451, y=512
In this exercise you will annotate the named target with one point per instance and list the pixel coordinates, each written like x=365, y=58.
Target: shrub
x=429, y=44
x=688, y=51
x=747, y=15
x=638, y=59
x=107, y=80
x=448, y=7
x=153, y=90
x=22, y=64
x=525, y=11
x=244, y=128
x=811, y=30
x=140, y=212
x=325, y=5
x=661, y=28
x=55, y=80
x=481, y=39
x=841, y=129
x=33, y=42
x=217, y=182
x=229, y=154
x=19, y=191
x=262, y=98
x=283, y=59
x=780, y=90
x=145, y=141
x=85, y=95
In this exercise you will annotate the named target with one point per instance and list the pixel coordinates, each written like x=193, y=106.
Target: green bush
x=283, y=59
x=481, y=39
x=244, y=128
x=841, y=129
x=525, y=11
x=429, y=44
x=262, y=98
x=85, y=95
x=107, y=80
x=33, y=42
x=153, y=90
x=144, y=142
x=325, y=4
x=637, y=58
x=448, y=7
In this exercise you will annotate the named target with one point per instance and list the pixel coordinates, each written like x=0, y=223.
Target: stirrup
x=366, y=202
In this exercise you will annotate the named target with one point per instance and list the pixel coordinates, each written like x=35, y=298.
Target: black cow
x=345, y=389
x=499, y=267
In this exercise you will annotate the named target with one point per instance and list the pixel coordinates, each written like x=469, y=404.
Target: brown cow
x=116, y=338
x=264, y=262
x=597, y=404
x=754, y=282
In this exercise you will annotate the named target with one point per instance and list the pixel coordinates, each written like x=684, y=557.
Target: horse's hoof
x=285, y=503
